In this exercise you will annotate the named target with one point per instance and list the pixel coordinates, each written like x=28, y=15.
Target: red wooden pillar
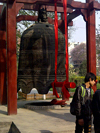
x=91, y=41
x=3, y=86
x=11, y=58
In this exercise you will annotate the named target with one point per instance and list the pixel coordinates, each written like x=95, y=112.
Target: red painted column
x=91, y=41
x=11, y=58
x=3, y=85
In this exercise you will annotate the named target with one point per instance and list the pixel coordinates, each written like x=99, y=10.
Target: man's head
x=91, y=78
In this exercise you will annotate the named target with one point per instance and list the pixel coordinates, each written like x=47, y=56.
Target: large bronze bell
x=36, y=67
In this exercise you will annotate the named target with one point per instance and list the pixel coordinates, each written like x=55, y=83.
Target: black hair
x=88, y=76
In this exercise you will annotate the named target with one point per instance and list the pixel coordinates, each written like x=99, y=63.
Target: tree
x=71, y=70
x=18, y=36
x=78, y=55
x=83, y=68
x=98, y=40
x=98, y=49
x=70, y=31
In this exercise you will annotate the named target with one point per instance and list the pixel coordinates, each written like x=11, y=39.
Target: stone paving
x=57, y=120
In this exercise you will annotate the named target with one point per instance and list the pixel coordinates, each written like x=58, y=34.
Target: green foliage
x=77, y=79
x=71, y=70
x=51, y=89
x=98, y=40
x=72, y=89
x=83, y=68
x=98, y=85
x=51, y=15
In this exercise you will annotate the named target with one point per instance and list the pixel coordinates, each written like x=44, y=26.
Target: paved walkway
x=40, y=121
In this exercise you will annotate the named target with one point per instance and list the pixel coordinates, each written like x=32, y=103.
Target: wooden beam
x=77, y=5
x=84, y=14
x=35, y=7
x=34, y=18
x=70, y=23
x=71, y=4
x=42, y=2
x=18, y=7
x=73, y=15
x=95, y=5
x=5, y=1
x=26, y=17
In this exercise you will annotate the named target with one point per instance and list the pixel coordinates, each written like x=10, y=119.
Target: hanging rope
x=66, y=39
x=56, y=49
x=56, y=39
x=64, y=90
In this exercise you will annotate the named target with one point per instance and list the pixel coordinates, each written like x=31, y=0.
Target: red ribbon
x=66, y=38
x=64, y=90
x=56, y=39
x=54, y=90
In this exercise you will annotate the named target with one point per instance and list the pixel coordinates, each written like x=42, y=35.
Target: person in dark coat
x=83, y=109
x=96, y=111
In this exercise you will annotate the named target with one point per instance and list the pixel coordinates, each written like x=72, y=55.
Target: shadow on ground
x=3, y=112
x=45, y=131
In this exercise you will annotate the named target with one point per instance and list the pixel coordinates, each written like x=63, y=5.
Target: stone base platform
x=41, y=106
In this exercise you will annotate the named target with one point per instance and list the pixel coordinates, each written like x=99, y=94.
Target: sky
x=79, y=35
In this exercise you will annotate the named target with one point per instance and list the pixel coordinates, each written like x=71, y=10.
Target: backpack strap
x=83, y=91
x=83, y=94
